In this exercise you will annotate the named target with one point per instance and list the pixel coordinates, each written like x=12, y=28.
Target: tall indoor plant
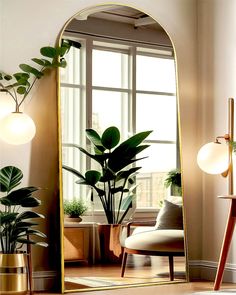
x=16, y=228
x=114, y=182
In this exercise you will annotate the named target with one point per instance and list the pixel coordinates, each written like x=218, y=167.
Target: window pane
x=150, y=180
x=71, y=133
x=157, y=113
x=71, y=74
x=110, y=69
x=110, y=109
x=155, y=74
x=71, y=115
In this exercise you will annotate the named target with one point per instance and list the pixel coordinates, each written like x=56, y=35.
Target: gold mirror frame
x=84, y=13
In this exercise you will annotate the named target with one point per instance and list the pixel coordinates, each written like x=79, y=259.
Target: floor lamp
x=216, y=158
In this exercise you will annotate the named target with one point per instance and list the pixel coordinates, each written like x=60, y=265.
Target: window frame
x=133, y=49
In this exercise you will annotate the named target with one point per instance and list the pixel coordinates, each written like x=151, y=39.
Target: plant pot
x=175, y=190
x=73, y=219
x=13, y=274
x=111, y=251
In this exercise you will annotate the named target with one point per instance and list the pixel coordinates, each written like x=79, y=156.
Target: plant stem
x=121, y=197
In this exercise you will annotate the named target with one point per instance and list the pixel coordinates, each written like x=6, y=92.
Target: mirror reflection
x=123, y=222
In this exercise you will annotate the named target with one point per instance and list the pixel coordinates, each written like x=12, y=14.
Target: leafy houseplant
x=16, y=227
x=114, y=182
x=19, y=85
x=173, y=180
x=74, y=208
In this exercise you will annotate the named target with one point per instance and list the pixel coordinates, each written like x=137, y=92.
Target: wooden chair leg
x=124, y=259
x=171, y=267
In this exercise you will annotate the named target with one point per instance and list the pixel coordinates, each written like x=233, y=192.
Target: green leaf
x=92, y=177
x=110, y=137
x=126, y=202
x=30, y=202
x=47, y=63
x=18, y=197
x=136, y=139
x=34, y=232
x=10, y=177
x=59, y=64
x=29, y=241
x=21, y=90
x=98, y=158
x=29, y=215
x=38, y=61
x=28, y=69
x=61, y=50
x=48, y=51
x=127, y=173
x=74, y=171
x=8, y=77
x=7, y=217
x=95, y=138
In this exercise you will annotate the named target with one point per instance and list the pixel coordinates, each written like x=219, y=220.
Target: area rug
x=93, y=282
x=96, y=282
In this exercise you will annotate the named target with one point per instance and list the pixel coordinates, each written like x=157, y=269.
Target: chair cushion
x=157, y=240
x=170, y=216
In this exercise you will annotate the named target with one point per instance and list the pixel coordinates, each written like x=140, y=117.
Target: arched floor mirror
x=123, y=75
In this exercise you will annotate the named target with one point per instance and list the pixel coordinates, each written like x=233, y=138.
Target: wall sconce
x=15, y=127
x=216, y=158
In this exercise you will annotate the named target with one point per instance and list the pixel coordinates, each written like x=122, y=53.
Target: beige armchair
x=165, y=238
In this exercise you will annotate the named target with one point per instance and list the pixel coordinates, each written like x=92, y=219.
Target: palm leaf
x=10, y=177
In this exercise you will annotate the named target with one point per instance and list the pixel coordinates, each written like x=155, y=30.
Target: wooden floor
x=139, y=270
x=142, y=271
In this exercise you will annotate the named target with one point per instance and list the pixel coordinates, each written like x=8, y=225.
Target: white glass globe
x=17, y=128
x=213, y=158
x=7, y=104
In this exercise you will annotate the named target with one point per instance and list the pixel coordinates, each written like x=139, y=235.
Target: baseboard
x=44, y=280
x=206, y=270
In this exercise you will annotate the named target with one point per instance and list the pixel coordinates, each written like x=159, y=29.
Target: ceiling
x=127, y=15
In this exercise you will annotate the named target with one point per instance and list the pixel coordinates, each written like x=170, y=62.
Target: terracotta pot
x=111, y=251
x=73, y=219
x=13, y=274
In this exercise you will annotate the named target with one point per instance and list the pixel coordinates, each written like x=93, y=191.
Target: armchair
x=166, y=238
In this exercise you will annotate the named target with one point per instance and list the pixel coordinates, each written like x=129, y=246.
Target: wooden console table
x=81, y=242
x=227, y=240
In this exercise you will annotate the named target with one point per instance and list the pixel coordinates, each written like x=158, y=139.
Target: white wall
x=27, y=26
x=217, y=69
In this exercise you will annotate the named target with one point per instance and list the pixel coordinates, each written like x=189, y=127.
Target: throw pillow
x=170, y=216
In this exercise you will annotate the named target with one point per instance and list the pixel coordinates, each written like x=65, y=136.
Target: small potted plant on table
x=74, y=209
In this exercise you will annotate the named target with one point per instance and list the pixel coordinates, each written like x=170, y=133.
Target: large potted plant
x=16, y=230
x=114, y=181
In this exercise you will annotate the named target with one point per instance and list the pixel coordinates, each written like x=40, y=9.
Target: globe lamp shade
x=213, y=158
x=17, y=128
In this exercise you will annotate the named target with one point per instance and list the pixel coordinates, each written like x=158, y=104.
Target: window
x=129, y=86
